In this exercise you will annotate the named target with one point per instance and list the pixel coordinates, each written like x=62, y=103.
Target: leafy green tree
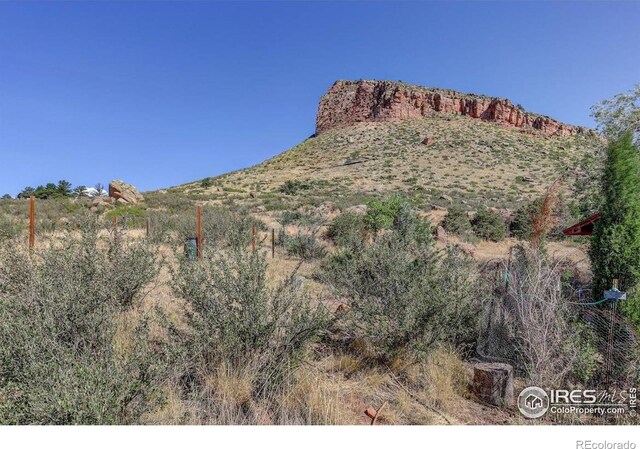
x=6, y=196
x=618, y=115
x=615, y=117
x=616, y=240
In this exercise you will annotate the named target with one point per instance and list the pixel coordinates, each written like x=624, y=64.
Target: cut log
x=493, y=383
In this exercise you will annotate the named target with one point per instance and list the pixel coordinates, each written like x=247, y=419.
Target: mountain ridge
x=367, y=148
x=348, y=102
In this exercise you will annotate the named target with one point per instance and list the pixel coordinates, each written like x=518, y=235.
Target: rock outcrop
x=122, y=192
x=349, y=102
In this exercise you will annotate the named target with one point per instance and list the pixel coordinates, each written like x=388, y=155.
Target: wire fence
x=599, y=342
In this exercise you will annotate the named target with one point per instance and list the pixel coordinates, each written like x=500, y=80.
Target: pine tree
x=64, y=188
x=615, y=248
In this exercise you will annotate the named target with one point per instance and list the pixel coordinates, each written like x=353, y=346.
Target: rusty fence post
x=273, y=243
x=199, y=231
x=253, y=238
x=32, y=221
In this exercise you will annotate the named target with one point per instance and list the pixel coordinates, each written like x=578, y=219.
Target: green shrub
x=221, y=227
x=488, y=226
x=456, y=221
x=411, y=228
x=586, y=364
x=9, y=227
x=348, y=229
x=305, y=246
x=235, y=320
x=129, y=216
x=207, y=182
x=404, y=297
x=381, y=212
x=288, y=217
x=521, y=226
x=62, y=360
x=293, y=187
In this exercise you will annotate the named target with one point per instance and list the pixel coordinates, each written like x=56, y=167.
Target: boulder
x=298, y=282
x=360, y=209
x=100, y=203
x=326, y=209
x=467, y=248
x=441, y=234
x=446, y=198
x=428, y=140
x=120, y=190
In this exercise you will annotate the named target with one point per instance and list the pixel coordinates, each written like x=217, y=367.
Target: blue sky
x=162, y=93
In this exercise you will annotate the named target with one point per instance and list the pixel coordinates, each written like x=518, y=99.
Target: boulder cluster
x=119, y=193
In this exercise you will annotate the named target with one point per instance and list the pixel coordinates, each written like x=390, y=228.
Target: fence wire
x=603, y=340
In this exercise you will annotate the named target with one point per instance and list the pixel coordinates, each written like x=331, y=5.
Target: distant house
x=94, y=193
x=585, y=227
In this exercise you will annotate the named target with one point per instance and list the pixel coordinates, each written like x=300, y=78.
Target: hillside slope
x=440, y=156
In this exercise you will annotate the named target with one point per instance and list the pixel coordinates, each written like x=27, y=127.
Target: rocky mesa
x=349, y=102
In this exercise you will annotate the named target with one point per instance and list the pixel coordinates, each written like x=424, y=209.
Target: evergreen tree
x=456, y=221
x=26, y=192
x=488, y=225
x=615, y=248
x=64, y=188
x=79, y=191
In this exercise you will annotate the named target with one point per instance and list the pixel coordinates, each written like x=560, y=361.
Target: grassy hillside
x=475, y=162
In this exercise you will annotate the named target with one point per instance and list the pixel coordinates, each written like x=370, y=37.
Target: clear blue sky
x=162, y=93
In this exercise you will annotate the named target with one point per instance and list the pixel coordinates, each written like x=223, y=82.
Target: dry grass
x=445, y=378
x=329, y=387
x=478, y=161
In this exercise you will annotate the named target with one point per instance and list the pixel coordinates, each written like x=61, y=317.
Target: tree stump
x=493, y=383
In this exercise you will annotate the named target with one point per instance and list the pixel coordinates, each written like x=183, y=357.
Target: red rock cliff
x=349, y=102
